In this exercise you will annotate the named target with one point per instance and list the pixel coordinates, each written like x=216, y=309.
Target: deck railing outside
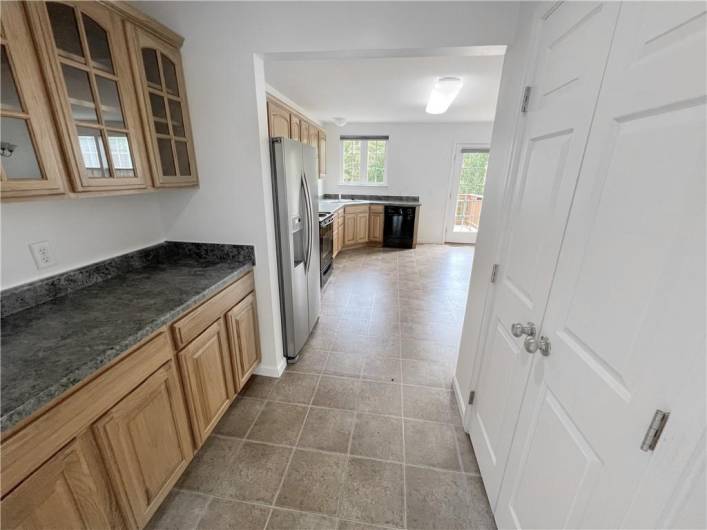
x=468, y=211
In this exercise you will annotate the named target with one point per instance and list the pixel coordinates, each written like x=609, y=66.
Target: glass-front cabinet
x=95, y=94
x=92, y=101
x=158, y=69
x=30, y=152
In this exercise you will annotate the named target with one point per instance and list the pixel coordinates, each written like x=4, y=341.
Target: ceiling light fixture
x=442, y=95
x=338, y=121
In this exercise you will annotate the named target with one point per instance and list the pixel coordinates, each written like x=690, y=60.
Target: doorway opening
x=467, y=194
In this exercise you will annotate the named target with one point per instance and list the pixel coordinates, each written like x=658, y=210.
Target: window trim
x=364, y=160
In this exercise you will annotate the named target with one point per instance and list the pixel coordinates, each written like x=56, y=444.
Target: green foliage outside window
x=376, y=161
x=352, y=160
x=473, y=173
x=373, y=153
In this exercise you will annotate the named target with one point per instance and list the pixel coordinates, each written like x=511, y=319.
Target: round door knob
x=530, y=344
x=518, y=329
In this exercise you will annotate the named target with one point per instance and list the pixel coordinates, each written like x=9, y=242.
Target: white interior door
x=626, y=313
x=573, y=48
x=466, y=193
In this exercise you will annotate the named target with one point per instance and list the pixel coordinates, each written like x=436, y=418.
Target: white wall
x=79, y=231
x=419, y=162
x=225, y=82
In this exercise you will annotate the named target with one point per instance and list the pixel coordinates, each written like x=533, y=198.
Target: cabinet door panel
x=376, y=228
x=361, y=227
x=304, y=132
x=146, y=443
x=71, y=490
x=208, y=382
x=322, y=154
x=278, y=120
x=295, y=127
x=349, y=229
x=92, y=86
x=245, y=342
x=314, y=142
x=157, y=69
x=31, y=162
x=313, y=136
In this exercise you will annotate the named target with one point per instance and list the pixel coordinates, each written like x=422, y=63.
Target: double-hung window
x=364, y=160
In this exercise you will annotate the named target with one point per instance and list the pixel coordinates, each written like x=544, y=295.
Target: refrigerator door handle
x=310, y=241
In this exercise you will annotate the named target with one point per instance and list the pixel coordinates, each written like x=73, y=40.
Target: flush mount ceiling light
x=442, y=95
x=339, y=122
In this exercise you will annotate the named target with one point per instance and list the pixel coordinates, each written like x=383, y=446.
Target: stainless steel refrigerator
x=294, y=179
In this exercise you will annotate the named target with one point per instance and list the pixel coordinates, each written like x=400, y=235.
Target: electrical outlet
x=42, y=254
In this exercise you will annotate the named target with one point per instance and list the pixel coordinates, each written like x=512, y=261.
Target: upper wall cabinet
x=163, y=105
x=278, y=120
x=30, y=151
x=93, y=101
x=322, y=154
x=283, y=121
x=94, y=93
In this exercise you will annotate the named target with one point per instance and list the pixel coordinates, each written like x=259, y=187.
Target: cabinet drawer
x=361, y=208
x=24, y=451
x=377, y=208
x=189, y=327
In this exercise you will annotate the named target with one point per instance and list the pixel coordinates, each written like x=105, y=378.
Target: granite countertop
x=330, y=204
x=57, y=332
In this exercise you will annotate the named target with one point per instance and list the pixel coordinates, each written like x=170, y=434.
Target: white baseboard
x=461, y=402
x=269, y=370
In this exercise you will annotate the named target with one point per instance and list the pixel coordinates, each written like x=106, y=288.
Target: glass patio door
x=465, y=206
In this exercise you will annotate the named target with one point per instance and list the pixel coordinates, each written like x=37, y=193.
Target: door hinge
x=655, y=429
x=494, y=272
x=526, y=100
x=472, y=395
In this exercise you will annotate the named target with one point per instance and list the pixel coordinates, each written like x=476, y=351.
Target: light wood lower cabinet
x=108, y=453
x=146, y=444
x=356, y=225
x=70, y=491
x=245, y=344
x=349, y=229
x=208, y=380
x=362, y=227
x=375, y=225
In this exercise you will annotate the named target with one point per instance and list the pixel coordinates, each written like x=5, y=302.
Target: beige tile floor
x=364, y=431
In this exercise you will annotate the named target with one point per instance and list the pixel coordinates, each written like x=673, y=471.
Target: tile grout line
x=294, y=448
x=402, y=423
x=334, y=453
x=348, y=447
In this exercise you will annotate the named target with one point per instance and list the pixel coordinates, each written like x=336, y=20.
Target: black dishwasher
x=399, y=226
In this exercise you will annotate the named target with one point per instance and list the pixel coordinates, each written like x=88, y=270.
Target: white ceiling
x=391, y=89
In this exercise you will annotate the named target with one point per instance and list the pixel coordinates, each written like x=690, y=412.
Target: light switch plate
x=42, y=254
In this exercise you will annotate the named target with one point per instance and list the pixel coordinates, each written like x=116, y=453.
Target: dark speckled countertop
x=58, y=331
